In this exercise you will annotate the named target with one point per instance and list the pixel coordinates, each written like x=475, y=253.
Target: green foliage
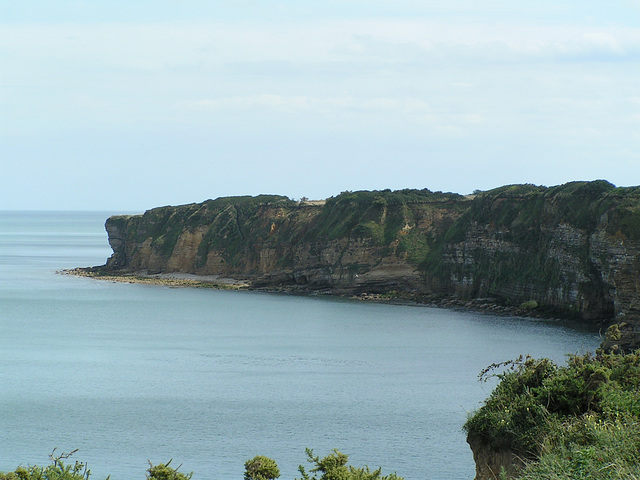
x=416, y=244
x=373, y=214
x=57, y=470
x=60, y=470
x=589, y=447
x=529, y=305
x=577, y=421
x=261, y=468
x=334, y=467
x=163, y=471
x=512, y=416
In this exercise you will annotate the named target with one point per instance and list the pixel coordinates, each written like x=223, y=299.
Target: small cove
x=210, y=378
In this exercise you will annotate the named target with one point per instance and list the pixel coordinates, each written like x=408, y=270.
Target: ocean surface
x=130, y=373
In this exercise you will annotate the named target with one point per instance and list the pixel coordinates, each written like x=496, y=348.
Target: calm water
x=127, y=373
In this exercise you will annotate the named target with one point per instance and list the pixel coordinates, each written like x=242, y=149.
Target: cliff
x=353, y=243
x=571, y=250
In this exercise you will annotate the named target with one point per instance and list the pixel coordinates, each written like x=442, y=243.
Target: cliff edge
x=571, y=251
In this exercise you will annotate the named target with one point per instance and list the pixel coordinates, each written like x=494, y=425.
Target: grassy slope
x=579, y=421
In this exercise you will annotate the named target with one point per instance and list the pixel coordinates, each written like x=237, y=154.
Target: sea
x=128, y=374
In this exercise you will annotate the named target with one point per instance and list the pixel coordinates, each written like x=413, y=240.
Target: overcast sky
x=127, y=105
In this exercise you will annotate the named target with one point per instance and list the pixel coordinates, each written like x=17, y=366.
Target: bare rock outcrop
x=491, y=463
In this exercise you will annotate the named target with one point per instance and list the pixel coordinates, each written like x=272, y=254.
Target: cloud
x=414, y=77
x=210, y=44
x=455, y=95
x=309, y=103
x=355, y=115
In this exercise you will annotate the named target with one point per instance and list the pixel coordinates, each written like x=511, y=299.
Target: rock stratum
x=571, y=251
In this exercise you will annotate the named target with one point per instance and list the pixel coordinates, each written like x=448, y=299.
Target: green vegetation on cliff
x=579, y=421
x=526, y=242
x=379, y=214
x=227, y=217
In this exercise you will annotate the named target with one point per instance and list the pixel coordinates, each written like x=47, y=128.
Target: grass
x=589, y=447
x=578, y=421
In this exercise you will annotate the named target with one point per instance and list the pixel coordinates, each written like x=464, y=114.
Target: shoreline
x=161, y=279
x=487, y=306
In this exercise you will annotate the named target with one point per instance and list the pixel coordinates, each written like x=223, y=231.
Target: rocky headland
x=570, y=251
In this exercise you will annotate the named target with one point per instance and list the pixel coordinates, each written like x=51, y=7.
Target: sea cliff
x=570, y=251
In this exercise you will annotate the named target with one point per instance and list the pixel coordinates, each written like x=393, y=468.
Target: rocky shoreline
x=168, y=280
x=182, y=280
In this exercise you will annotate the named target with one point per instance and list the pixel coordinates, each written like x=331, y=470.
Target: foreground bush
x=165, y=472
x=261, y=468
x=332, y=467
x=59, y=470
x=578, y=421
x=589, y=448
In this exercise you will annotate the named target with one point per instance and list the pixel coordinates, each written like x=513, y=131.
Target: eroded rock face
x=556, y=271
x=573, y=250
x=617, y=258
x=491, y=462
x=117, y=232
x=273, y=241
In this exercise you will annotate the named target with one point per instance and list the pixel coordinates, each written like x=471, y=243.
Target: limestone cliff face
x=574, y=249
x=367, y=241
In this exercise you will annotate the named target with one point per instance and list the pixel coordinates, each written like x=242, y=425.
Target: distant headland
x=569, y=251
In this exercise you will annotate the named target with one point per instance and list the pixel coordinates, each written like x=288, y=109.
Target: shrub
x=261, y=468
x=579, y=421
x=163, y=471
x=57, y=470
x=512, y=416
x=334, y=467
x=589, y=447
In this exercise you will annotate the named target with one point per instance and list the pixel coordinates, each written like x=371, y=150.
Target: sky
x=128, y=105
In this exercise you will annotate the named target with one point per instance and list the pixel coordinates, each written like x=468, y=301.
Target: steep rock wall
x=573, y=249
x=367, y=241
